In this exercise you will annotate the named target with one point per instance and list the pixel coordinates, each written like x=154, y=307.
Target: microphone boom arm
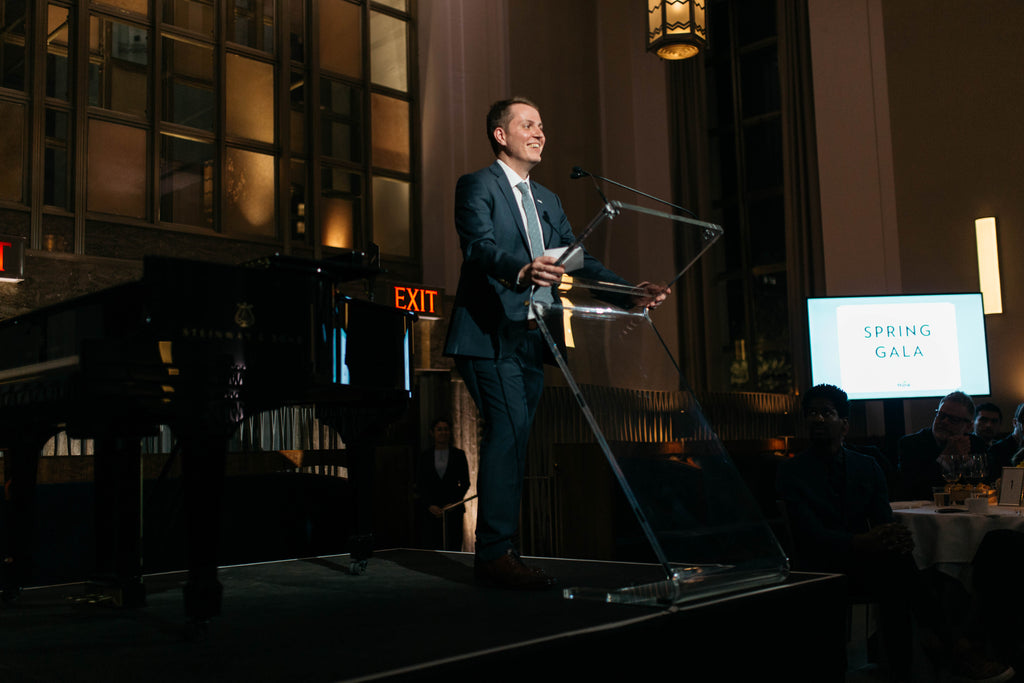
x=578, y=172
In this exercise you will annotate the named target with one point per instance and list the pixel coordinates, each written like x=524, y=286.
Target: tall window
x=13, y=101
x=750, y=344
x=281, y=121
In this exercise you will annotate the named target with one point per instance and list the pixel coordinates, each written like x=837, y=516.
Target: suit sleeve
x=474, y=222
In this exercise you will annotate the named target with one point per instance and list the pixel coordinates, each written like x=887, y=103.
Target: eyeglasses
x=823, y=413
x=952, y=418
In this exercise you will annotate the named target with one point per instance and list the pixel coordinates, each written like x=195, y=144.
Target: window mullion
x=80, y=93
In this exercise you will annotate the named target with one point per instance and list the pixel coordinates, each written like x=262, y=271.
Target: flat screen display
x=906, y=346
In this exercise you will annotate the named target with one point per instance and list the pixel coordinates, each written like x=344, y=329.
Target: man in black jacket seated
x=927, y=453
x=838, y=506
x=1001, y=453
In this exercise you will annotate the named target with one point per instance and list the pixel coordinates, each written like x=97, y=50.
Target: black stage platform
x=417, y=615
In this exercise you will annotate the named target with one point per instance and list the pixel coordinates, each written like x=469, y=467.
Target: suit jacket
x=490, y=312
x=919, y=470
x=828, y=502
x=1000, y=455
x=434, y=490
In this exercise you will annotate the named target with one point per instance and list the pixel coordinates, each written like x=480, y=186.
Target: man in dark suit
x=492, y=334
x=927, y=453
x=442, y=478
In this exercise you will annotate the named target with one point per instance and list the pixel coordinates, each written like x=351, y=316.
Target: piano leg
x=118, y=489
x=21, y=466
x=360, y=431
x=202, y=463
x=361, y=466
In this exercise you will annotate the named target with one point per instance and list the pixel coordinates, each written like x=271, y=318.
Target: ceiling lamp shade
x=676, y=29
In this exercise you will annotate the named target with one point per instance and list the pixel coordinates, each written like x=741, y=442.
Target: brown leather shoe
x=508, y=571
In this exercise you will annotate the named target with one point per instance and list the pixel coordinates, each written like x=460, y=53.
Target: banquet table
x=947, y=537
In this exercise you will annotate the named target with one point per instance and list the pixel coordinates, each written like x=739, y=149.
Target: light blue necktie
x=534, y=233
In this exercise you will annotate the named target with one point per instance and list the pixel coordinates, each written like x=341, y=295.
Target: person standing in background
x=442, y=478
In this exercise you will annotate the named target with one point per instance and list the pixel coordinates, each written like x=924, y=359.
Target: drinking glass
x=951, y=473
x=974, y=468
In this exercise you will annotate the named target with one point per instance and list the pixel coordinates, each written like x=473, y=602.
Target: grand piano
x=197, y=347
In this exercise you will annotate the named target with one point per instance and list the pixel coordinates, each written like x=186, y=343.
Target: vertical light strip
x=988, y=265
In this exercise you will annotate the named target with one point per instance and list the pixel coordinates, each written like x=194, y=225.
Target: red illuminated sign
x=416, y=299
x=12, y=258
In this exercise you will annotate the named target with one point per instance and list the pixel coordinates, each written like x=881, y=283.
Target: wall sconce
x=676, y=29
x=988, y=265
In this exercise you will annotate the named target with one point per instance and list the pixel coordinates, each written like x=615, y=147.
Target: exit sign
x=12, y=258
x=417, y=299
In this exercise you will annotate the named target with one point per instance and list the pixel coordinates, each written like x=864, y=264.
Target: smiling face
x=521, y=139
x=951, y=419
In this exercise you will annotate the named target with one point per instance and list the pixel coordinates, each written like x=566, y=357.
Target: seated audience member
x=838, y=506
x=1001, y=453
x=987, y=420
x=926, y=454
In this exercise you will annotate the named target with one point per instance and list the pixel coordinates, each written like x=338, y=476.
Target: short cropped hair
x=498, y=116
x=831, y=393
x=961, y=398
x=991, y=407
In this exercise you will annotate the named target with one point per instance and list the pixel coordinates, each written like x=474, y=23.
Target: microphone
x=578, y=173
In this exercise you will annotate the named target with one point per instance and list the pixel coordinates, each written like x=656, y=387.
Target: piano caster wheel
x=357, y=567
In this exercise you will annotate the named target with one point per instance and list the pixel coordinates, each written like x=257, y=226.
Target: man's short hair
x=961, y=398
x=498, y=117
x=990, y=407
x=831, y=393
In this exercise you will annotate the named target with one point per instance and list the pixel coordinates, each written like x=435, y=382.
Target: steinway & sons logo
x=245, y=320
x=244, y=316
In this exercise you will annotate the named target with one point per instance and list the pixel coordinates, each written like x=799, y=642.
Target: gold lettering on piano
x=250, y=336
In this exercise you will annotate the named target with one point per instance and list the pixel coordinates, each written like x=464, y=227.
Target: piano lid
x=353, y=265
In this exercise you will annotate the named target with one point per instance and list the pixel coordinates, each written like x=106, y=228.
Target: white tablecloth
x=951, y=538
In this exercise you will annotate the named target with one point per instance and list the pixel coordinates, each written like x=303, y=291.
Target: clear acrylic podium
x=689, y=510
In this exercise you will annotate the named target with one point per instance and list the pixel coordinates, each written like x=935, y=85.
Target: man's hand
x=653, y=295
x=541, y=272
x=957, y=445
x=435, y=510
